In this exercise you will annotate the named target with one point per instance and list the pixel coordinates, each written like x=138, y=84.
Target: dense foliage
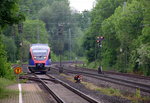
x=9, y=15
x=53, y=13
x=58, y=13
x=125, y=26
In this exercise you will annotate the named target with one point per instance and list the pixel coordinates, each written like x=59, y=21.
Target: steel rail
x=121, y=74
x=57, y=98
x=83, y=95
x=141, y=86
x=108, y=72
x=129, y=75
x=121, y=81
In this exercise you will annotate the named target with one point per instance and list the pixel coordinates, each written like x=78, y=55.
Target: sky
x=81, y=5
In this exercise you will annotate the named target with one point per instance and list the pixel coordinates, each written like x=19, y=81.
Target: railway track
x=129, y=83
x=62, y=92
x=118, y=73
x=129, y=75
x=106, y=72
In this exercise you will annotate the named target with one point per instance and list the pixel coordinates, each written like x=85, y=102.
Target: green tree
x=5, y=69
x=32, y=7
x=102, y=10
x=141, y=54
x=82, y=19
x=128, y=28
x=35, y=32
x=144, y=58
x=127, y=35
x=10, y=48
x=9, y=13
x=59, y=13
x=111, y=43
x=24, y=51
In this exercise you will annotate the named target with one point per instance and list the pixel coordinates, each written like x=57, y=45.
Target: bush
x=5, y=68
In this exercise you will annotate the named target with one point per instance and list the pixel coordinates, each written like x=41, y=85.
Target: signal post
x=60, y=33
x=99, y=42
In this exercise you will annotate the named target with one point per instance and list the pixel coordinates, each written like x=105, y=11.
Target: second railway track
x=129, y=83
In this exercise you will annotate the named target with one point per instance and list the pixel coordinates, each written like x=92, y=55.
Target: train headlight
x=34, y=57
x=44, y=57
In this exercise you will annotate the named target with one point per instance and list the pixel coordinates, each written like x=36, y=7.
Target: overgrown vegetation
x=9, y=15
x=125, y=25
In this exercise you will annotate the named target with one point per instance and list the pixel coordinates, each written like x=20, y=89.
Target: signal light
x=100, y=45
x=60, y=29
x=99, y=39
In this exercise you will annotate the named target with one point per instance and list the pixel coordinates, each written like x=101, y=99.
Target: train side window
x=30, y=55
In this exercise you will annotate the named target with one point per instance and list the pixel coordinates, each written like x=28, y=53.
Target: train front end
x=39, y=58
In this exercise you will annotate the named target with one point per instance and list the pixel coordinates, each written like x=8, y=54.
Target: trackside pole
x=99, y=42
x=17, y=71
x=100, y=70
x=60, y=69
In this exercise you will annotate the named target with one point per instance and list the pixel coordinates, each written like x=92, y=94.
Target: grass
x=92, y=65
x=135, y=98
x=5, y=92
x=23, y=80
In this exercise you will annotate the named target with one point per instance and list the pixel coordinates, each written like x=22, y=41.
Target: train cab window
x=30, y=55
x=49, y=56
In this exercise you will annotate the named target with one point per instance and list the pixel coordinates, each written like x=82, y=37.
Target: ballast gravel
x=95, y=94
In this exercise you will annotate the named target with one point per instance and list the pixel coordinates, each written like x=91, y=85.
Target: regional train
x=39, y=58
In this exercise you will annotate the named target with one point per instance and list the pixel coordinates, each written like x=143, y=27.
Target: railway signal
x=60, y=29
x=99, y=41
x=100, y=38
x=60, y=33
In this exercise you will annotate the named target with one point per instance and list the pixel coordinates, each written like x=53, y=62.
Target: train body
x=39, y=58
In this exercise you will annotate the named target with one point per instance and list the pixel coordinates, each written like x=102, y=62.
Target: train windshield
x=39, y=52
